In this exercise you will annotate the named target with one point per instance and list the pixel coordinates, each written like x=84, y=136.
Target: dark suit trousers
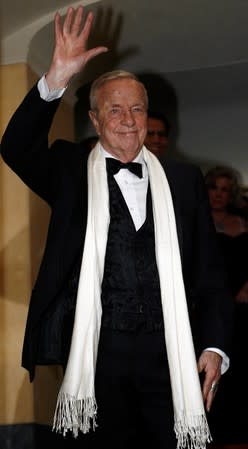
x=133, y=391
x=133, y=394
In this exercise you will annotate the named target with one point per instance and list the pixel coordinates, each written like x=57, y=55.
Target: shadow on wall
x=107, y=29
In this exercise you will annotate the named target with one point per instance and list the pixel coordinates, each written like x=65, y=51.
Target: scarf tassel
x=192, y=436
x=74, y=415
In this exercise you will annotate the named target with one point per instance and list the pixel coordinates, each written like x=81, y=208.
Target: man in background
x=157, y=137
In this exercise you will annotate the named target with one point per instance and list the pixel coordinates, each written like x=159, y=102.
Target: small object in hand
x=214, y=387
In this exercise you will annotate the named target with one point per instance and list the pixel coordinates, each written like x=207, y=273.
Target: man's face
x=156, y=138
x=120, y=120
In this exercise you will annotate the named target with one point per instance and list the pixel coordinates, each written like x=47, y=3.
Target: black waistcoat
x=130, y=287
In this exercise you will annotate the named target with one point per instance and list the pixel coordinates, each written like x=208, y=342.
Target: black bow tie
x=114, y=165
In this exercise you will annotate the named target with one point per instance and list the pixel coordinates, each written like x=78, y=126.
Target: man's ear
x=94, y=119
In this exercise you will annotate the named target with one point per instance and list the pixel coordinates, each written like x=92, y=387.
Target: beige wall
x=23, y=224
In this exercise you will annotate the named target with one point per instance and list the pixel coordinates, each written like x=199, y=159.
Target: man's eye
x=115, y=111
x=138, y=109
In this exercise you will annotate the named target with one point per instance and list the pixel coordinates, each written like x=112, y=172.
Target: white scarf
x=76, y=404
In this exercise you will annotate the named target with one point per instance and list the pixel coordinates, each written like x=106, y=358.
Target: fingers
x=211, y=394
x=90, y=54
x=77, y=21
x=210, y=388
x=211, y=378
x=87, y=26
x=210, y=364
x=72, y=22
x=57, y=26
x=68, y=20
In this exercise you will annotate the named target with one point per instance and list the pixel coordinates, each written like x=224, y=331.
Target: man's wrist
x=57, y=79
x=47, y=94
x=225, y=359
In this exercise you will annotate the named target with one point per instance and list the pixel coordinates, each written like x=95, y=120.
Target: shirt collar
x=139, y=158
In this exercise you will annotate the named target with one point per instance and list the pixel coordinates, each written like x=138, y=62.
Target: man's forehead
x=122, y=88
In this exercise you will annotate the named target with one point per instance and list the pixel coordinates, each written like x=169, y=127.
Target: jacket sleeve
x=213, y=304
x=24, y=145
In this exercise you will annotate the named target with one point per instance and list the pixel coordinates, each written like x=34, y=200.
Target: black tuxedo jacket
x=59, y=176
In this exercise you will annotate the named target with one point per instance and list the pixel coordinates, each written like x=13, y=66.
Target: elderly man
x=130, y=260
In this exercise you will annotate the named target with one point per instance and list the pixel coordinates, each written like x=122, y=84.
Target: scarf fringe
x=192, y=433
x=74, y=415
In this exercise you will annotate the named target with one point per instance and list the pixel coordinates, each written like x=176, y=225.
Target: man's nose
x=128, y=118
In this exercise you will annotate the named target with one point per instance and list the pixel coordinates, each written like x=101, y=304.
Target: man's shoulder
x=69, y=149
x=185, y=179
x=181, y=168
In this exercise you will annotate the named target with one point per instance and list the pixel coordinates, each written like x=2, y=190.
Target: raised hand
x=70, y=53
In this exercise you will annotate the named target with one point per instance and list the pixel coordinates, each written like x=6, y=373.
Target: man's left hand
x=210, y=364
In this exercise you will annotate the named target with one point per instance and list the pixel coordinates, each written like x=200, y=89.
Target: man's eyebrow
x=115, y=105
x=118, y=105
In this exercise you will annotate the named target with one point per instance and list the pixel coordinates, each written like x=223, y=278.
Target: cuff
x=46, y=94
x=225, y=359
